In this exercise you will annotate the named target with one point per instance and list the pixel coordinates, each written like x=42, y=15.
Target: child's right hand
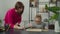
x=30, y=25
x=16, y=27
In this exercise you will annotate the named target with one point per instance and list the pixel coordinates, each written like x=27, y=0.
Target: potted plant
x=0, y=22
x=56, y=11
x=1, y=27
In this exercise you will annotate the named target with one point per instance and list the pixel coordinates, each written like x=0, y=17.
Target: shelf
x=41, y=3
x=41, y=8
x=44, y=0
x=42, y=13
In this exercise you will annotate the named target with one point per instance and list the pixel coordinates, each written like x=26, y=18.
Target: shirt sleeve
x=10, y=19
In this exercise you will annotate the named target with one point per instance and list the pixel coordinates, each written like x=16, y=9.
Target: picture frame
x=53, y=1
x=33, y=3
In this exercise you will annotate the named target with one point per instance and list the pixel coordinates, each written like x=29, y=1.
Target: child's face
x=37, y=20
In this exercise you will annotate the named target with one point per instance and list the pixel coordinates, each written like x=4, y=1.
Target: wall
x=2, y=9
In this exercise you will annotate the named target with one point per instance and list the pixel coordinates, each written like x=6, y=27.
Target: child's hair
x=19, y=5
x=38, y=16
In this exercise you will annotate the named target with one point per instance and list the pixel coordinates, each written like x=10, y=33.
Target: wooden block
x=36, y=30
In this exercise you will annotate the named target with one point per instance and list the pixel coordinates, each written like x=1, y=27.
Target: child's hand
x=46, y=27
x=30, y=25
x=23, y=27
x=17, y=27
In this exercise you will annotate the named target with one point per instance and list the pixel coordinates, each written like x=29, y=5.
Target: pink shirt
x=12, y=17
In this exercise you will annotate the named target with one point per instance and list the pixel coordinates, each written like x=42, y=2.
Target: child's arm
x=26, y=26
x=29, y=25
x=46, y=26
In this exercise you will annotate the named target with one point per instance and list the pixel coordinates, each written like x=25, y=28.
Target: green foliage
x=55, y=16
x=54, y=10
x=0, y=21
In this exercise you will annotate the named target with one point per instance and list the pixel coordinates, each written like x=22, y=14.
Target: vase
x=57, y=27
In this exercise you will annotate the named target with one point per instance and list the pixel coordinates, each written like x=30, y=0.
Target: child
x=38, y=23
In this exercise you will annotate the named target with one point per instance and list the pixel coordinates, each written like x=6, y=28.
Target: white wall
x=1, y=9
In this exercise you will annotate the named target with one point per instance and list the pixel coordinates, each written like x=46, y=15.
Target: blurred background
x=32, y=7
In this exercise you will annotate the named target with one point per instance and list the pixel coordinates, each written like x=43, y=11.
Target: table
x=11, y=31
